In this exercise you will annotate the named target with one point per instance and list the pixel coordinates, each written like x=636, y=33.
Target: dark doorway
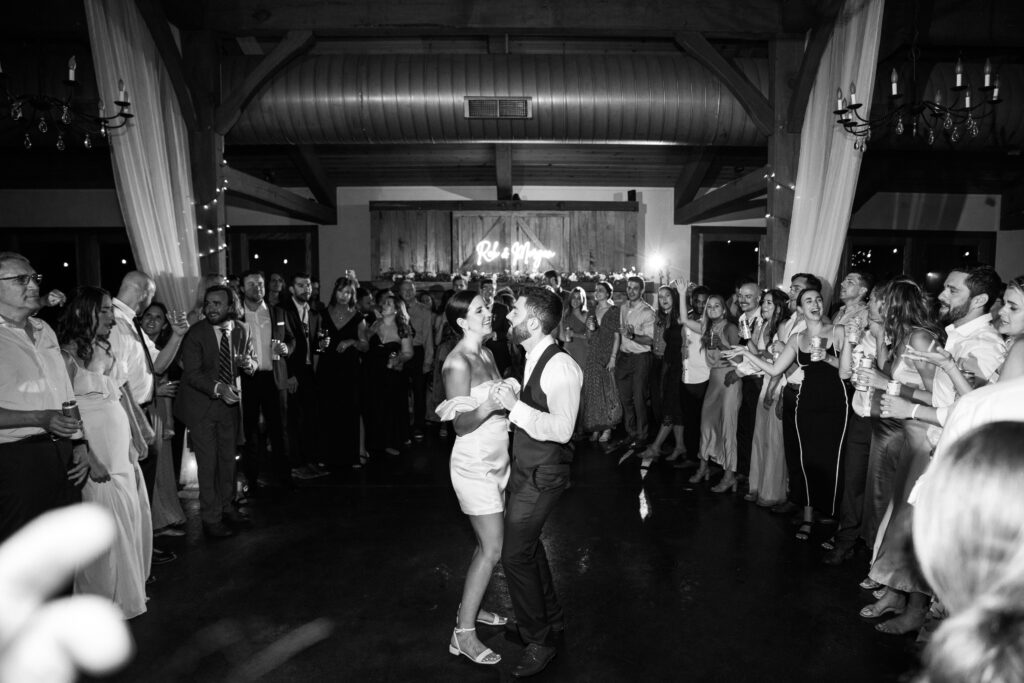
x=726, y=255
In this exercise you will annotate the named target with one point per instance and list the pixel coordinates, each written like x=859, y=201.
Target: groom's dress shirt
x=561, y=382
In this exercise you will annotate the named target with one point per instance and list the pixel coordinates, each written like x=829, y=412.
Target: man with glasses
x=38, y=471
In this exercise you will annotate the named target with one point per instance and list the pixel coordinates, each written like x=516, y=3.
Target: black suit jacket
x=303, y=342
x=200, y=351
x=281, y=330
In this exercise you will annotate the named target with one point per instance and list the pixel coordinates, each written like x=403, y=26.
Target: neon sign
x=519, y=253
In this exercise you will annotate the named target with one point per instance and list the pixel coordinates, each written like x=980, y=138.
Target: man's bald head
x=137, y=291
x=748, y=296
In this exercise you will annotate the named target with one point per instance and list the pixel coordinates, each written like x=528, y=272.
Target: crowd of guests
x=833, y=418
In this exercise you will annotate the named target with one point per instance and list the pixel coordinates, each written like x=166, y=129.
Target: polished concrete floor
x=356, y=578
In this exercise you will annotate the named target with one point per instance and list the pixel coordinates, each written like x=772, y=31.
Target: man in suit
x=544, y=415
x=304, y=321
x=266, y=391
x=213, y=352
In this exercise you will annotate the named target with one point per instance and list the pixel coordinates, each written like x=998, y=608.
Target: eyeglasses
x=23, y=280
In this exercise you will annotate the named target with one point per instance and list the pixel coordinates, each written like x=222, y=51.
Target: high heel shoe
x=702, y=474
x=728, y=483
x=675, y=455
x=488, y=657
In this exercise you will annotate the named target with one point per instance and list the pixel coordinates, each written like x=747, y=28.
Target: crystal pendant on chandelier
x=955, y=134
x=65, y=115
x=42, y=125
x=16, y=112
x=972, y=127
x=87, y=143
x=899, y=125
x=60, y=143
x=947, y=123
x=27, y=141
x=931, y=136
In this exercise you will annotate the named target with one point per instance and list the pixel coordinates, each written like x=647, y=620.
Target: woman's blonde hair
x=969, y=539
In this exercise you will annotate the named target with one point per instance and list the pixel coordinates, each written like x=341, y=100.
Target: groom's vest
x=527, y=451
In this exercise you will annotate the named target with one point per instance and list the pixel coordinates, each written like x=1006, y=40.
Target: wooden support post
x=784, y=58
x=503, y=168
x=313, y=173
x=723, y=200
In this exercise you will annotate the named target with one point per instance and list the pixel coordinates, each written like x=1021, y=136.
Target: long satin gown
x=120, y=573
x=479, y=464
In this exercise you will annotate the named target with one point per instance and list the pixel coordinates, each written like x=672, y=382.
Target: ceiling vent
x=498, y=107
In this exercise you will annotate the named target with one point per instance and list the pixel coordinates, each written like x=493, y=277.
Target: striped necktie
x=225, y=369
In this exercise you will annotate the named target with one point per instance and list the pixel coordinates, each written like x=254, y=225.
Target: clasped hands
x=504, y=394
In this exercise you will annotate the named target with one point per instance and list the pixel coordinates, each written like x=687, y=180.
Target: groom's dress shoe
x=556, y=636
x=535, y=658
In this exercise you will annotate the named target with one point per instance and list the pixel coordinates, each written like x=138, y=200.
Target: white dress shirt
x=981, y=349
x=260, y=332
x=126, y=347
x=32, y=373
x=561, y=382
x=641, y=316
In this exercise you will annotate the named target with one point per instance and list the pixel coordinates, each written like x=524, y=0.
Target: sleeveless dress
x=719, y=413
x=386, y=406
x=479, y=464
x=337, y=379
x=120, y=573
x=579, y=345
x=600, y=408
x=672, y=376
x=821, y=414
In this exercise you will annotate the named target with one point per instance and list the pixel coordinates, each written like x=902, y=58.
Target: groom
x=544, y=415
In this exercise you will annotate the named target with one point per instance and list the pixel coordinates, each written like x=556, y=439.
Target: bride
x=479, y=464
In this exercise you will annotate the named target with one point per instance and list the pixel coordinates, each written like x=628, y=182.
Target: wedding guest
x=747, y=300
x=768, y=476
x=479, y=463
x=696, y=376
x=115, y=481
x=633, y=367
x=305, y=323
x=662, y=309
x=38, y=471
x=421, y=322
x=338, y=375
x=168, y=516
x=213, y=354
x=967, y=533
x=600, y=408
x=573, y=329
x=822, y=406
x=276, y=289
x=554, y=280
x=721, y=403
x=386, y=410
x=266, y=390
x=498, y=343
x=670, y=319
x=853, y=293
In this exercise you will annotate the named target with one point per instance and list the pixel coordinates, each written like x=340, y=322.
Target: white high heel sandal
x=488, y=657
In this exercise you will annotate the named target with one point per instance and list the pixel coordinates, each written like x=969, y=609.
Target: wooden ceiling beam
x=750, y=98
x=309, y=166
x=277, y=198
x=503, y=168
x=291, y=46
x=691, y=177
x=159, y=28
x=722, y=200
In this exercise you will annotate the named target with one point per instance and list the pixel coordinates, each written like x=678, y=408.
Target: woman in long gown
x=338, y=374
x=390, y=347
x=822, y=405
x=479, y=464
x=573, y=330
x=768, y=477
x=115, y=480
x=670, y=405
x=722, y=402
x=600, y=407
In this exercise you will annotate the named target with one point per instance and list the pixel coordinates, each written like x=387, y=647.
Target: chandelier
x=39, y=114
x=952, y=116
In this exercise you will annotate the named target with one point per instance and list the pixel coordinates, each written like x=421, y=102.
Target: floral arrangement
x=515, y=276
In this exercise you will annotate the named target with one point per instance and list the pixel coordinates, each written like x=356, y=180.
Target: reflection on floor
x=356, y=577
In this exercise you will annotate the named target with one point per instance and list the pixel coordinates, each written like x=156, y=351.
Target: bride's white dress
x=479, y=464
x=120, y=573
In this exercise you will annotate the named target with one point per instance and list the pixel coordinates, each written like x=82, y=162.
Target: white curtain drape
x=829, y=165
x=151, y=163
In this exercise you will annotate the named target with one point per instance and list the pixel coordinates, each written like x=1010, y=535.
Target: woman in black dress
x=670, y=321
x=337, y=378
x=390, y=348
x=822, y=406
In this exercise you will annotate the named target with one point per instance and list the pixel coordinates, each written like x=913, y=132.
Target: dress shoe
x=217, y=530
x=837, y=555
x=534, y=660
x=163, y=556
x=236, y=517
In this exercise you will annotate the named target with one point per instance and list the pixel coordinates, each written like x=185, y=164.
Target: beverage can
x=854, y=335
x=817, y=343
x=893, y=388
x=70, y=409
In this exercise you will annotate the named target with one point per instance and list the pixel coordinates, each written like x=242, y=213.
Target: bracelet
x=913, y=411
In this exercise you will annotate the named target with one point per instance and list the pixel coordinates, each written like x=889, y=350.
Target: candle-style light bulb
x=72, y=65
x=853, y=93
x=122, y=94
x=967, y=99
x=988, y=73
x=839, y=99
x=958, y=72
x=995, y=87
x=894, y=83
